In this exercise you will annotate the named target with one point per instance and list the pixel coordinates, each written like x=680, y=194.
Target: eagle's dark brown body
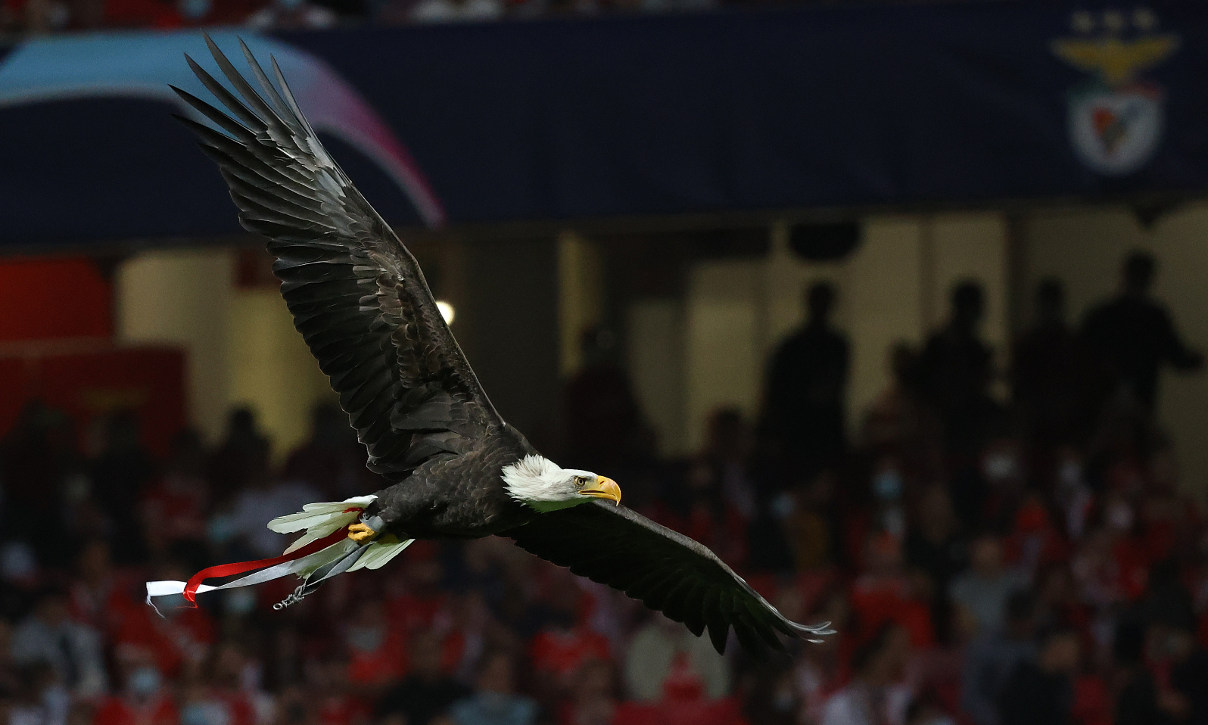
x=457, y=496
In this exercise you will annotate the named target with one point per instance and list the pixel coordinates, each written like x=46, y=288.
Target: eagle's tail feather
x=320, y=519
x=378, y=552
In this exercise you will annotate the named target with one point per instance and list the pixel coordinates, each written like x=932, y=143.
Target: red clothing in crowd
x=683, y=703
x=174, y=509
x=170, y=640
x=880, y=600
x=238, y=708
x=342, y=710
x=119, y=711
x=381, y=665
x=561, y=652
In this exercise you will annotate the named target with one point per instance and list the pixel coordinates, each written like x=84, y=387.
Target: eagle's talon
x=361, y=533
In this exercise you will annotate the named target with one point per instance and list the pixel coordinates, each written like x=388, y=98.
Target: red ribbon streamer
x=241, y=567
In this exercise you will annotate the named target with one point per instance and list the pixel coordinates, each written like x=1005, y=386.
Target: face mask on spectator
x=144, y=681
x=887, y=486
x=220, y=528
x=782, y=506
x=58, y=15
x=1120, y=516
x=999, y=466
x=783, y=701
x=365, y=639
x=1070, y=472
x=239, y=602
x=195, y=9
x=493, y=702
x=201, y=713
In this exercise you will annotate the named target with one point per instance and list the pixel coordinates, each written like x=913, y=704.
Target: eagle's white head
x=545, y=486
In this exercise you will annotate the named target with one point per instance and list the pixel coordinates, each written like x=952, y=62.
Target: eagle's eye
x=581, y=481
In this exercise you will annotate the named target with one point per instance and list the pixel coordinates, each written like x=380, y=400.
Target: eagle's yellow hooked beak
x=603, y=488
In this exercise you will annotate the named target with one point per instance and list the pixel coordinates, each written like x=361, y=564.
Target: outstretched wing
x=356, y=293
x=665, y=570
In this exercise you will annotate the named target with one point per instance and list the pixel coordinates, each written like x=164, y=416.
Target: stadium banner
x=573, y=118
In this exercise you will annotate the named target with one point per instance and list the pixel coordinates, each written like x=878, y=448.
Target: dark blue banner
x=564, y=119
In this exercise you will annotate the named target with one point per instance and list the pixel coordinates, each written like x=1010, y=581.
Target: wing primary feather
x=241, y=151
x=743, y=629
x=689, y=607
x=288, y=95
x=282, y=111
x=233, y=150
x=763, y=628
x=675, y=603
x=719, y=632
x=708, y=603
x=812, y=632
x=245, y=89
x=228, y=99
x=228, y=124
x=207, y=133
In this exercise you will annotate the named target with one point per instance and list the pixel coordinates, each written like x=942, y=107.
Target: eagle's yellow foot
x=361, y=533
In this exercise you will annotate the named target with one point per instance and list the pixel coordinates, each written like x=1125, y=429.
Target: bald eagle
x=455, y=468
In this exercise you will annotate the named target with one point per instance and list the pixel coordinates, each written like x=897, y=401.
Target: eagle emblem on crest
x=1116, y=117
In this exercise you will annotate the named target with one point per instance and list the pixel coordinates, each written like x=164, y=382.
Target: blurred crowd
x=1004, y=541
x=20, y=18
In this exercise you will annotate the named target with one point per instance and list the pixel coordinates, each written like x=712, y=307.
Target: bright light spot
x=1145, y=19
x=1114, y=21
x=446, y=311
x=1082, y=21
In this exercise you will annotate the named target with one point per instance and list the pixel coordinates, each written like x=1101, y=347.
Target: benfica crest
x=1116, y=118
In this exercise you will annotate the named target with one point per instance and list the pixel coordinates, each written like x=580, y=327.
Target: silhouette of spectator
x=661, y=651
x=174, y=506
x=993, y=656
x=713, y=498
x=604, y=424
x=495, y=699
x=120, y=474
x=240, y=457
x=427, y=690
x=1180, y=666
x=593, y=701
x=1041, y=691
x=73, y=650
x=331, y=460
x=1049, y=382
x=1137, y=696
x=876, y=693
x=982, y=591
x=143, y=697
x=956, y=368
x=39, y=466
x=807, y=385
x=900, y=421
x=935, y=545
x=1134, y=334
x=261, y=497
